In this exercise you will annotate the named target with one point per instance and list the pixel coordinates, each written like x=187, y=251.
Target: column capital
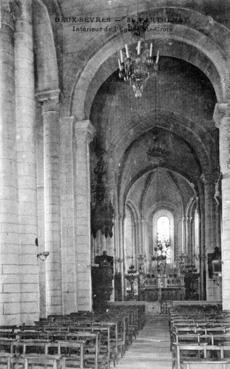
x=6, y=17
x=68, y=119
x=21, y=10
x=222, y=110
x=209, y=178
x=49, y=99
x=84, y=130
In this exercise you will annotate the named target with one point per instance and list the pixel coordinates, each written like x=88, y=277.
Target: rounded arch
x=150, y=169
x=169, y=121
x=210, y=39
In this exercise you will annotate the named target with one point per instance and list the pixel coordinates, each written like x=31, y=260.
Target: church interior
x=114, y=184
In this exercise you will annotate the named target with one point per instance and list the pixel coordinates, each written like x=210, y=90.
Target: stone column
x=146, y=247
x=178, y=229
x=202, y=260
x=187, y=220
x=26, y=163
x=67, y=198
x=9, y=245
x=51, y=142
x=222, y=119
x=190, y=239
x=183, y=248
x=122, y=253
x=209, y=228
x=177, y=239
x=209, y=213
x=84, y=132
x=140, y=239
x=218, y=222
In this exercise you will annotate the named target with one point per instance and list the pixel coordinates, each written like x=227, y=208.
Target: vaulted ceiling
x=175, y=111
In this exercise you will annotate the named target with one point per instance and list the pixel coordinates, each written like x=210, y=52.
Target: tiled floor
x=151, y=348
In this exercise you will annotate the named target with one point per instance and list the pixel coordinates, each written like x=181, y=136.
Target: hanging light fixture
x=136, y=68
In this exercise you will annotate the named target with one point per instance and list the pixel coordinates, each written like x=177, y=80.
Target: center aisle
x=151, y=349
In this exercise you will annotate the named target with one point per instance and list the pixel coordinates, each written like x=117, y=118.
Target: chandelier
x=158, y=151
x=136, y=68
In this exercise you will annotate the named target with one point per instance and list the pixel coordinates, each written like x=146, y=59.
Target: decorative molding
x=221, y=111
x=48, y=95
x=84, y=130
x=6, y=18
x=15, y=7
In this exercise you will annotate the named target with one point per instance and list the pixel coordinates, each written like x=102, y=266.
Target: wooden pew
x=207, y=364
x=182, y=353
x=42, y=361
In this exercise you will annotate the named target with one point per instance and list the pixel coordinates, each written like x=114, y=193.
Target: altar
x=162, y=288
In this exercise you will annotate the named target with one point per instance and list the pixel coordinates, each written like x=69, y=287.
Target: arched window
x=163, y=229
x=163, y=233
x=163, y=237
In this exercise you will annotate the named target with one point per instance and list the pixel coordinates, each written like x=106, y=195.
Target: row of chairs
x=78, y=340
x=200, y=336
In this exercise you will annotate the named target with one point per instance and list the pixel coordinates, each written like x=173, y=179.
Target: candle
x=151, y=50
x=157, y=58
x=138, y=47
x=127, y=51
x=119, y=63
x=121, y=56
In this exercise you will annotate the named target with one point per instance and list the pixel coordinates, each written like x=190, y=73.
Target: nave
x=151, y=349
x=191, y=335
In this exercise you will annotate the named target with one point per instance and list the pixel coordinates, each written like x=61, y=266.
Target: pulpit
x=102, y=277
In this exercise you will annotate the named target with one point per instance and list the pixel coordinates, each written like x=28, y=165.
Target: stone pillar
x=140, y=239
x=67, y=198
x=190, y=239
x=177, y=239
x=179, y=231
x=218, y=223
x=122, y=254
x=222, y=119
x=51, y=142
x=84, y=132
x=187, y=240
x=146, y=247
x=202, y=260
x=183, y=248
x=209, y=228
x=26, y=164
x=9, y=245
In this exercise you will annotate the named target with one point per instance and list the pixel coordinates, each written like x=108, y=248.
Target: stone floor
x=151, y=348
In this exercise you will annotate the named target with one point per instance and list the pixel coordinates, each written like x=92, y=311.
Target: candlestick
x=121, y=56
x=151, y=50
x=127, y=51
x=157, y=58
x=119, y=63
x=138, y=47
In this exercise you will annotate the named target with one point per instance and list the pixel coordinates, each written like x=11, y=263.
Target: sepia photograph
x=114, y=184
